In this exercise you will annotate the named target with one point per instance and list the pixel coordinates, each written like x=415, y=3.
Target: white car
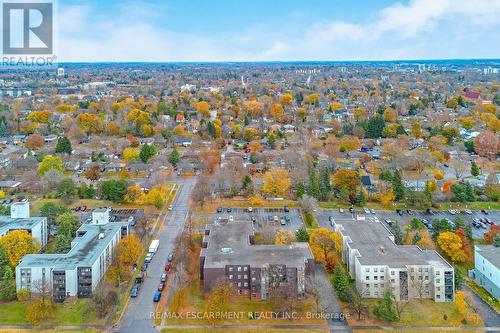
x=452, y=211
x=170, y=207
x=367, y=211
x=341, y=210
x=131, y=219
x=250, y=209
x=372, y=211
x=231, y=218
x=375, y=219
x=468, y=211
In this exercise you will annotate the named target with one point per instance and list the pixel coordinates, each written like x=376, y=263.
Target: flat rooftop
x=8, y=223
x=85, y=249
x=490, y=253
x=376, y=247
x=229, y=244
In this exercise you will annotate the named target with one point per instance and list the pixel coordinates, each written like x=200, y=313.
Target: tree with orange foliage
x=203, y=108
x=447, y=185
x=486, y=144
x=255, y=146
x=35, y=141
x=465, y=243
x=276, y=111
x=211, y=159
x=490, y=234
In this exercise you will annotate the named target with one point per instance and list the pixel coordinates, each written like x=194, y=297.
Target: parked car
x=341, y=210
x=134, y=291
x=367, y=211
x=275, y=218
x=287, y=218
x=410, y=212
x=231, y=218
x=400, y=212
x=452, y=211
x=163, y=277
x=372, y=211
x=283, y=222
x=476, y=220
x=219, y=209
x=170, y=207
x=139, y=278
x=170, y=257
x=157, y=296
x=389, y=222
x=485, y=212
x=429, y=211
x=250, y=209
x=229, y=210
x=168, y=266
x=148, y=258
x=376, y=219
x=144, y=267
x=269, y=218
x=161, y=286
x=467, y=211
x=286, y=209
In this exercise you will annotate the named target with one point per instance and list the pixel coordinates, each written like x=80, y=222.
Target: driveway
x=490, y=317
x=139, y=311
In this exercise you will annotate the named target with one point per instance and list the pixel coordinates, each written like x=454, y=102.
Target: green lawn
x=14, y=313
x=483, y=293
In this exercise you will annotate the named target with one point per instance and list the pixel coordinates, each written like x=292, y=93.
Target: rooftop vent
x=381, y=249
x=101, y=235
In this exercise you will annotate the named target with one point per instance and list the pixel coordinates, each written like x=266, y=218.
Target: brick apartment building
x=229, y=255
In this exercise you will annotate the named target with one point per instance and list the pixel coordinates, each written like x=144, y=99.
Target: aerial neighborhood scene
x=219, y=166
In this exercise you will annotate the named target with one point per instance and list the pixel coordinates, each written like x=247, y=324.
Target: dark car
x=219, y=209
x=485, y=212
x=157, y=296
x=400, y=212
x=77, y=209
x=144, y=267
x=134, y=291
x=160, y=286
x=229, y=210
x=429, y=211
x=286, y=209
x=170, y=257
x=351, y=210
x=139, y=278
x=410, y=212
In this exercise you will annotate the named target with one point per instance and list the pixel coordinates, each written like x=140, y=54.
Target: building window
x=367, y=285
x=367, y=270
x=375, y=277
x=239, y=284
x=438, y=296
x=381, y=277
x=438, y=272
x=392, y=273
x=376, y=285
x=245, y=268
x=382, y=285
x=392, y=280
x=245, y=284
x=245, y=276
x=375, y=270
x=231, y=277
x=239, y=269
x=230, y=269
x=381, y=270
x=438, y=280
x=367, y=278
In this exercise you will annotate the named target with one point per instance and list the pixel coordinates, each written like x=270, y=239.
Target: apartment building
x=229, y=254
x=20, y=219
x=486, y=270
x=376, y=263
x=78, y=272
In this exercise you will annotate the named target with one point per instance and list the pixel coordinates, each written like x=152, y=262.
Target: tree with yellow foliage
x=422, y=238
x=284, y=236
x=312, y=99
x=134, y=194
x=17, y=244
x=179, y=130
x=256, y=200
x=451, y=244
x=334, y=106
x=113, y=128
x=386, y=198
x=390, y=115
x=359, y=113
x=349, y=143
x=255, y=146
x=65, y=108
x=276, y=111
x=286, y=99
x=203, y=108
x=90, y=123
x=346, y=179
x=324, y=242
x=39, y=310
x=276, y=182
x=250, y=134
x=41, y=117
x=254, y=107
x=302, y=113
x=416, y=130
x=130, y=154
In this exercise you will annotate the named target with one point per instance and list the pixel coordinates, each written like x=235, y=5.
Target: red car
x=160, y=286
x=168, y=266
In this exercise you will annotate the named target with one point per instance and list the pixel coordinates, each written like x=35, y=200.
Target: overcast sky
x=277, y=30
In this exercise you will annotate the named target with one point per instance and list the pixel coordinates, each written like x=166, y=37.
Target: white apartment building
x=486, y=270
x=20, y=219
x=376, y=263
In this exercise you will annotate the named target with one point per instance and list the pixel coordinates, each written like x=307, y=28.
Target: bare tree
x=308, y=203
x=357, y=302
x=459, y=168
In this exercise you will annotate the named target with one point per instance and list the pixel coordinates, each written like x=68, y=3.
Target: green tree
x=113, y=190
x=398, y=186
x=63, y=146
x=325, y=187
x=386, y=310
x=51, y=210
x=147, y=151
x=474, y=169
x=396, y=231
x=302, y=235
x=66, y=189
x=459, y=279
x=301, y=190
x=174, y=157
x=341, y=282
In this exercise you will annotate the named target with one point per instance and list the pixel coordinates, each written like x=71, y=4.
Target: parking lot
x=405, y=218
x=260, y=216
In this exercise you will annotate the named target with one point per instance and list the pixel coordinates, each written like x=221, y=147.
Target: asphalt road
x=477, y=233
x=138, y=314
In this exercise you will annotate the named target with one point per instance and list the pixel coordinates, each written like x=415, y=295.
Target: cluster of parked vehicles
x=6, y=201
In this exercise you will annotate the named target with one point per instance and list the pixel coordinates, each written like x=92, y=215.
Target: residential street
x=490, y=317
x=138, y=314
